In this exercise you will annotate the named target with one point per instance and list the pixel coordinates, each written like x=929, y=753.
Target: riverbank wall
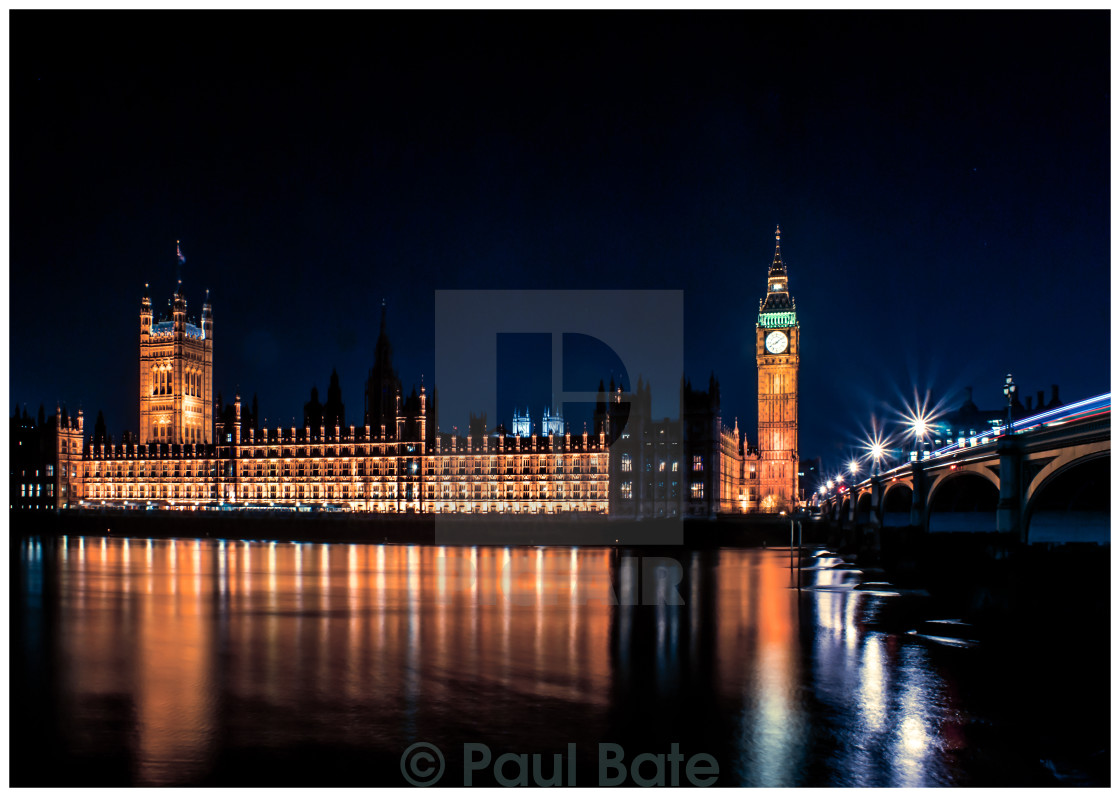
x=421, y=529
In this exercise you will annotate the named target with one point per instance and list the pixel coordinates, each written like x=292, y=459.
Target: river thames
x=187, y=662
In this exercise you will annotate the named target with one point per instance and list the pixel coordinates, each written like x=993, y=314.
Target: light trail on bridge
x=1086, y=408
x=1077, y=411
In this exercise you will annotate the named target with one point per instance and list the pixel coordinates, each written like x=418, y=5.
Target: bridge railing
x=1087, y=408
x=1079, y=410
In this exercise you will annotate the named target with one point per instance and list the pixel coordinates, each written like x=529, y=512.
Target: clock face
x=776, y=342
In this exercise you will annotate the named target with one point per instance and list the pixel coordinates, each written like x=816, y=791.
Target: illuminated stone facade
x=396, y=462
x=778, y=353
x=176, y=374
x=354, y=470
x=192, y=454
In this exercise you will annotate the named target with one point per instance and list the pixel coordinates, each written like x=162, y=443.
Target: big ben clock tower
x=778, y=351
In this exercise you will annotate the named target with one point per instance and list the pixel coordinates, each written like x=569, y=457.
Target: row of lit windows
x=163, y=382
x=49, y=471
x=35, y=490
x=626, y=490
x=524, y=491
x=139, y=469
x=152, y=491
x=627, y=465
x=380, y=465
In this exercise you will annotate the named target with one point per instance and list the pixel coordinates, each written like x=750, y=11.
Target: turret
x=207, y=318
x=179, y=310
x=237, y=419
x=145, y=313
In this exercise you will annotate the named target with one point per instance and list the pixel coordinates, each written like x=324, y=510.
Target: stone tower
x=176, y=373
x=778, y=352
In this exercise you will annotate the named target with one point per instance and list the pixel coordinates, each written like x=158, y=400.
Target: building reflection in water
x=200, y=649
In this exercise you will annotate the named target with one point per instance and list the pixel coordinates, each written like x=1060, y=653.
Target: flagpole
x=179, y=261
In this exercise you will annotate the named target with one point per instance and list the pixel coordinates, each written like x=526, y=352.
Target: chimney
x=1041, y=399
x=1029, y=400
x=1055, y=401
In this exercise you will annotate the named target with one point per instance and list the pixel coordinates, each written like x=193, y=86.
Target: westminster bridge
x=1046, y=481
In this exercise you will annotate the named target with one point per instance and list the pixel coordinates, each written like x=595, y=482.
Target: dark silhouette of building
x=383, y=387
x=334, y=411
x=968, y=420
x=32, y=476
x=313, y=411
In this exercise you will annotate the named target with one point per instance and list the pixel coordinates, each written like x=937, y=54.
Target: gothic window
x=698, y=464
x=627, y=463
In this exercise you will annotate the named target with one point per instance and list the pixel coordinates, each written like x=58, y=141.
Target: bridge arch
x=1068, y=458
x=1072, y=503
x=897, y=499
x=863, y=507
x=963, y=500
x=949, y=473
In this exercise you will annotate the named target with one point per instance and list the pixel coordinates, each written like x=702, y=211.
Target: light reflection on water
x=206, y=648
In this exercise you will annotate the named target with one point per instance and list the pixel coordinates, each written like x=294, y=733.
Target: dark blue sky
x=942, y=183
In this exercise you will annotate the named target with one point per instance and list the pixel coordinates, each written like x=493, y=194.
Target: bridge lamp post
x=853, y=468
x=918, y=428
x=876, y=455
x=1009, y=391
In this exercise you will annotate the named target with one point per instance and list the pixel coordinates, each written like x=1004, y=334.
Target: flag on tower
x=179, y=252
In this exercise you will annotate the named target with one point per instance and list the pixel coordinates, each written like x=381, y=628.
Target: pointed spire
x=777, y=295
x=777, y=265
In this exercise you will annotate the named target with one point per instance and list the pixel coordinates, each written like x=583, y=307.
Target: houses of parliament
x=193, y=453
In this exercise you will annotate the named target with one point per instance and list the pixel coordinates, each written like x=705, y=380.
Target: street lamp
x=853, y=468
x=876, y=450
x=1009, y=391
x=919, y=425
x=873, y=444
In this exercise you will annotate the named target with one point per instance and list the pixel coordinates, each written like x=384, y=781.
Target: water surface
x=160, y=662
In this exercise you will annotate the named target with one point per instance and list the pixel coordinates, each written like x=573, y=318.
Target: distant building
x=664, y=467
x=969, y=422
x=552, y=422
x=808, y=477
x=195, y=453
x=176, y=373
x=33, y=478
x=778, y=354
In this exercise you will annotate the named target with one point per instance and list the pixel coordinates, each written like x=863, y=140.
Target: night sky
x=941, y=180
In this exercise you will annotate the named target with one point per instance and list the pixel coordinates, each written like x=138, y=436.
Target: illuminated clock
x=776, y=342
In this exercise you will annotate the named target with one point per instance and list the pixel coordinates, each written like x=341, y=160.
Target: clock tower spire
x=778, y=354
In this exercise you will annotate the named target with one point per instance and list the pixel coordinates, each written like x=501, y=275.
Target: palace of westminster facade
x=192, y=454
